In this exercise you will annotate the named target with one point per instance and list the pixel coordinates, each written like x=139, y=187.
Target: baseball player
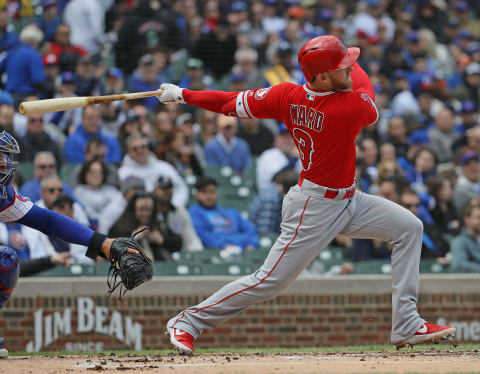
x=14, y=207
x=323, y=116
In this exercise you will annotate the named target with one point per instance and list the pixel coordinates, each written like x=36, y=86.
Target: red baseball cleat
x=182, y=340
x=429, y=333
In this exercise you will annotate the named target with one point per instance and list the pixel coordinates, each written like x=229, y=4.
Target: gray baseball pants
x=309, y=223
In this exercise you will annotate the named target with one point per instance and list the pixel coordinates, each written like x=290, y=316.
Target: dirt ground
x=404, y=361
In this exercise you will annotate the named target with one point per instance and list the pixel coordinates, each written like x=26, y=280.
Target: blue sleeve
x=248, y=231
x=210, y=155
x=204, y=230
x=72, y=152
x=36, y=68
x=114, y=150
x=55, y=224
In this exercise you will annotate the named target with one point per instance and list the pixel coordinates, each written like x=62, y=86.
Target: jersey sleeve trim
x=242, y=107
x=376, y=110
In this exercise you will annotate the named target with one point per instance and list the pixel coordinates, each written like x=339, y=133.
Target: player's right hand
x=171, y=94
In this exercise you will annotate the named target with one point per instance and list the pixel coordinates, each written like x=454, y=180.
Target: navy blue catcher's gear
x=9, y=150
x=9, y=271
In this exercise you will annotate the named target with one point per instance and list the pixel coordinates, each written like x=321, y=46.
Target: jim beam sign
x=90, y=318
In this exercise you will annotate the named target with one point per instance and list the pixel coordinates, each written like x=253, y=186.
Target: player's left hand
x=171, y=94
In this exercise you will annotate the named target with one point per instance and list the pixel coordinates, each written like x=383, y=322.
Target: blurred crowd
x=131, y=164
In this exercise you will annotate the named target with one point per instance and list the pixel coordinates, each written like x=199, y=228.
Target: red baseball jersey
x=324, y=125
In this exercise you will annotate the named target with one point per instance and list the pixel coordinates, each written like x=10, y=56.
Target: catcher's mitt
x=133, y=269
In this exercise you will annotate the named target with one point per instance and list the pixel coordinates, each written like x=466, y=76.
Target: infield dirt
x=405, y=361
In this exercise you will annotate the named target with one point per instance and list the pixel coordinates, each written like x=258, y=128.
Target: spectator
x=111, y=118
x=95, y=150
x=371, y=19
x=67, y=120
x=186, y=125
x=434, y=244
x=181, y=155
x=50, y=19
x=140, y=214
x=424, y=166
x=195, y=77
x=470, y=88
x=387, y=152
x=130, y=187
x=369, y=172
x=86, y=81
x=52, y=69
x=175, y=223
x=86, y=20
x=8, y=36
x=37, y=140
x=67, y=53
x=468, y=184
x=220, y=227
x=114, y=83
x=226, y=149
x=442, y=135
x=444, y=213
x=217, y=49
x=386, y=169
x=94, y=193
x=6, y=117
x=149, y=26
x=74, y=149
x=208, y=127
x=397, y=135
x=265, y=211
x=391, y=187
x=53, y=246
x=282, y=156
x=64, y=204
x=145, y=79
x=246, y=60
x=403, y=102
x=44, y=164
x=23, y=65
x=162, y=128
x=466, y=247
x=52, y=188
x=258, y=137
x=282, y=69
x=32, y=266
x=143, y=164
x=469, y=121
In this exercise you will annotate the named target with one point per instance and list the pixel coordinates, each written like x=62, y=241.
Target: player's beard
x=341, y=84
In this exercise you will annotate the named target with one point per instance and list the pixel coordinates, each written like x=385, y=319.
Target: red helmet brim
x=349, y=59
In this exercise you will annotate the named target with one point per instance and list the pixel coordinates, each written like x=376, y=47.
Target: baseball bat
x=67, y=103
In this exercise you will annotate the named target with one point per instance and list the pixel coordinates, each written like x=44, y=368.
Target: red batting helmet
x=325, y=53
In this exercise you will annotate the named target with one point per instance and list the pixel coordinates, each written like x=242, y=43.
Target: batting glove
x=171, y=94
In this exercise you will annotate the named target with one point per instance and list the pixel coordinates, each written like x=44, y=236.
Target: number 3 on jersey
x=305, y=147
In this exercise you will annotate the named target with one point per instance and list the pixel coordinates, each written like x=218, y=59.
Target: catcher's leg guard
x=9, y=271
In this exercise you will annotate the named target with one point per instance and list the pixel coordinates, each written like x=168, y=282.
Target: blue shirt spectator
x=8, y=39
x=50, y=19
x=75, y=144
x=226, y=149
x=23, y=63
x=146, y=79
x=44, y=164
x=218, y=226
